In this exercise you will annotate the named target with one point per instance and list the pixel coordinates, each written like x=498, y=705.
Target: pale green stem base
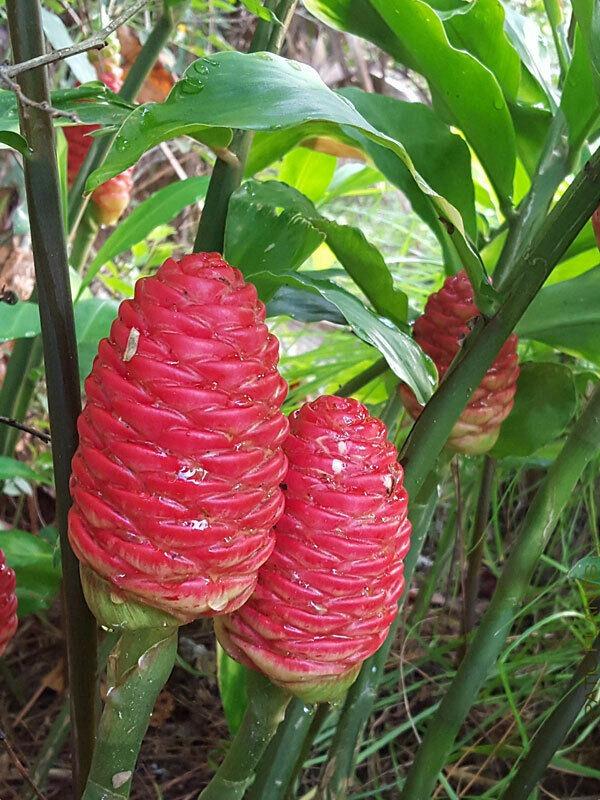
x=266, y=709
x=138, y=669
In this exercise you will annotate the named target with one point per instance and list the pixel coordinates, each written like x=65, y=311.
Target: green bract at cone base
x=116, y=610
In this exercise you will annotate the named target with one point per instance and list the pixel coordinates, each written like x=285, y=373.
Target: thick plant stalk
x=555, y=727
x=475, y=558
x=226, y=176
x=60, y=356
x=158, y=38
x=266, y=709
x=137, y=671
x=581, y=446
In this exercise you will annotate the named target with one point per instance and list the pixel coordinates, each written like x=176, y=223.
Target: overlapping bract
x=596, y=225
x=176, y=479
x=8, y=604
x=111, y=198
x=328, y=594
x=440, y=331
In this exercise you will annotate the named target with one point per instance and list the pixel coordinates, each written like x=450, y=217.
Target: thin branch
x=9, y=83
x=96, y=42
x=19, y=766
x=12, y=423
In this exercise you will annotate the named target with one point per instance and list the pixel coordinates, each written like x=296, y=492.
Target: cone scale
x=176, y=480
x=440, y=331
x=8, y=604
x=329, y=592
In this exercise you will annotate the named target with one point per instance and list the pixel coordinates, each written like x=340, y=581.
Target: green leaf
x=478, y=28
x=93, y=319
x=59, y=37
x=16, y=141
x=440, y=156
x=19, y=321
x=587, y=13
x=232, y=678
x=257, y=91
x=308, y=171
x=38, y=577
x=413, y=33
x=294, y=233
x=545, y=403
x=579, y=101
x=12, y=468
x=404, y=357
x=256, y=7
x=101, y=106
x=536, y=83
x=567, y=316
x=159, y=208
x=351, y=180
x=262, y=234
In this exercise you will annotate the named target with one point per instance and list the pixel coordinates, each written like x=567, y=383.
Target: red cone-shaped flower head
x=328, y=594
x=440, y=331
x=176, y=479
x=596, y=225
x=110, y=200
x=8, y=604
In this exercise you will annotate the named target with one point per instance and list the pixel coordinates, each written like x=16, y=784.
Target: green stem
x=555, y=727
x=83, y=241
x=158, y=38
x=475, y=558
x=60, y=356
x=137, y=671
x=380, y=367
x=555, y=16
x=555, y=163
x=430, y=432
x=226, y=177
x=338, y=773
x=19, y=384
x=541, y=519
x=277, y=767
x=266, y=709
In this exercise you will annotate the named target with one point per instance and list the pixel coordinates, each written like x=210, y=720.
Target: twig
x=96, y=42
x=19, y=767
x=9, y=83
x=12, y=423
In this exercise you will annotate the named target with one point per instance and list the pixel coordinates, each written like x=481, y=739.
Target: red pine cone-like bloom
x=8, y=604
x=176, y=479
x=440, y=331
x=328, y=594
x=596, y=225
x=112, y=198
